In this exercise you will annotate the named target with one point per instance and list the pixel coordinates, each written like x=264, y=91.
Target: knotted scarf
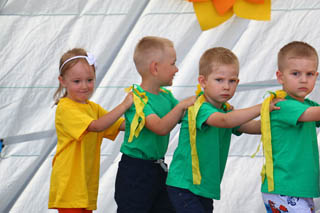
x=267, y=169
x=140, y=99
x=192, y=117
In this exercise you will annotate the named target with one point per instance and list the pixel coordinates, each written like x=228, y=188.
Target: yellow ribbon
x=140, y=99
x=267, y=169
x=192, y=116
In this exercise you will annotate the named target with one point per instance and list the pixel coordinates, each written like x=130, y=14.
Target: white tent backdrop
x=34, y=35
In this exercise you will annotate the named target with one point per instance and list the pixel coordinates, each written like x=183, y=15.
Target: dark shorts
x=184, y=201
x=140, y=187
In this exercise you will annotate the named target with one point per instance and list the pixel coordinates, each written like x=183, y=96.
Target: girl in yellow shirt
x=80, y=125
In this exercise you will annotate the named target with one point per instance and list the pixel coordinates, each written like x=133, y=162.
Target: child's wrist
x=182, y=106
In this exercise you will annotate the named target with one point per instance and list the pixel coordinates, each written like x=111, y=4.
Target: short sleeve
x=173, y=99
x=72, y=120
x=204, y=113
x=312, y=103
x=147, y=110
x=290, y=111
x=112, y=132
x=235, y=131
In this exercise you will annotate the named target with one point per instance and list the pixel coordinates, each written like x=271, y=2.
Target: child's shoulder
x=291, y=102
x=311, y=102
x=68, y=104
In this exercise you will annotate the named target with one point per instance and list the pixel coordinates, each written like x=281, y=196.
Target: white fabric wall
x=34, y=35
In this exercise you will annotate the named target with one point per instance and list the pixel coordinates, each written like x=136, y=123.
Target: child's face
x=79, y=82
x=298, y=77
x=221, y=84
x=166, y=68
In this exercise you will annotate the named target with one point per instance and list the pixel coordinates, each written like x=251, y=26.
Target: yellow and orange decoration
x=211, y=13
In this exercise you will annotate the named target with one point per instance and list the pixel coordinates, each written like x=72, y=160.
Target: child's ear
x=202, y=81
x=153, y=68
x=279, y=75
x=60, y=78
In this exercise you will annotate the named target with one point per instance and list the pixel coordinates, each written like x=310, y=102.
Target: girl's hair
x=63, y=67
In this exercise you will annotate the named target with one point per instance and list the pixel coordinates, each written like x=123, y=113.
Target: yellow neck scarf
x=267, y=169
x=140, y=99
x=192, y=116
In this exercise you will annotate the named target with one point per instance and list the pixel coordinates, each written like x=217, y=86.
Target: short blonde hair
x=148, y=49
x=295, y=49
x=214, y=57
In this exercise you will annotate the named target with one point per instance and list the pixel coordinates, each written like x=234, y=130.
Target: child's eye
x=76, y=81
x=219, y=79
x=232, y=81
x=90, y=80
x=310, y=74
x=295, y=73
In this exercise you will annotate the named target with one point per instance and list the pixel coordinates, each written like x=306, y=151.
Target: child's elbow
x=160, y=131
x=221, y=123
x=93, y=127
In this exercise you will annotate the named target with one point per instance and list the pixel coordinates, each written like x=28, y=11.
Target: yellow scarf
x=140, y=99
x=267, y=169
x=192, y=116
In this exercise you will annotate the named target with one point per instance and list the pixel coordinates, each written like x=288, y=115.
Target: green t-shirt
x=294, y=150
x=212, y=147
x=148, y=145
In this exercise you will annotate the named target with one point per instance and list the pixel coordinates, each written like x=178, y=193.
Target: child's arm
x=108, y=119
x=241, y=117
x=162, y=126
x=122, y=126
x=311, y=114
x=251, y=127
x=233, y=118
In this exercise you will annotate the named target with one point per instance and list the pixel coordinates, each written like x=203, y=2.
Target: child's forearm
x=251, y=127
x=163, y=126
x=234, y=118
x=108, y=119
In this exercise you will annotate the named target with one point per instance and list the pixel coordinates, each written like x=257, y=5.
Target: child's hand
x=188, y=102
x=128, y=100
x=273, y=104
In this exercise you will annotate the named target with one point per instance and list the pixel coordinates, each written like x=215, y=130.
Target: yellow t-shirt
x=75, y=166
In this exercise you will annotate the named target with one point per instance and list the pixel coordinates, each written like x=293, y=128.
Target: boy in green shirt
x=294, y=181
x=140, y=182
x=199, y=161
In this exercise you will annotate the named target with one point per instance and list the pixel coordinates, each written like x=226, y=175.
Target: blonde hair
x=61, y=92
x=148, y=49
x=295, y=49
x=214, y=57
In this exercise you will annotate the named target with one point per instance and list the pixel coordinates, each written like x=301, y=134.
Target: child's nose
x=226, y=85
x=84, y=85
x=303, y=78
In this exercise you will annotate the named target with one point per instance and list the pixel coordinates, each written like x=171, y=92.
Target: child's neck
x=150, y=87
x=300, y=99
x=218, y=105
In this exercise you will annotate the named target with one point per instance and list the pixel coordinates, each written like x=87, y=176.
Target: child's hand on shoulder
x=188, y=102
x=128, y=100
x=273, y=104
